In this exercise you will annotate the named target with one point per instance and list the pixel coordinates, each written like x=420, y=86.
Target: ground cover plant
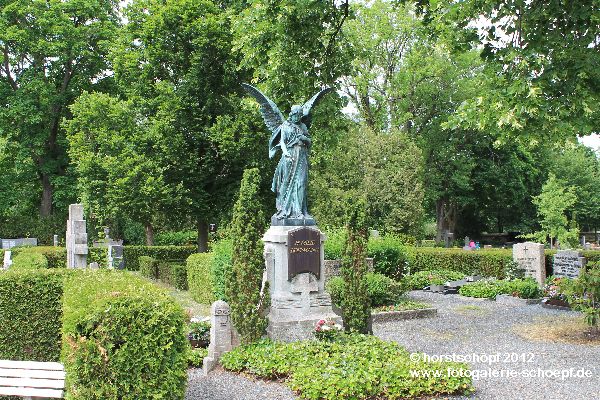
x=490, y=288
x=351, y=367
x=421, y=279
x=381, y=290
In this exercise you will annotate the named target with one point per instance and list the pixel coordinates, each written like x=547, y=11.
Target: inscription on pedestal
x=304, y=252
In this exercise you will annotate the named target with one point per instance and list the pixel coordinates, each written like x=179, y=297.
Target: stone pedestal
x=76, y=239
x=222, y=335
x=294, y=259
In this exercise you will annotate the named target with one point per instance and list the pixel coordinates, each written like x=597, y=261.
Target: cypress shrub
x=355, y=302
x=221, y=267
x=244, y=281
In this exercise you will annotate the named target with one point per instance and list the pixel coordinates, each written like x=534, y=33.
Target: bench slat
x=51, y=393
x=49, y=366
x=33, y=383
x=27, y=373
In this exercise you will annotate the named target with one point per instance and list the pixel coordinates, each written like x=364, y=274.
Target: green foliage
x=381, y=290
x=28, y=260
x=552, y=204
x=388, y=252
x=584, y=294
x=199, y=277
x=56, y=256
x=243, y=284
x=379, y=369
x=196, y=357
x=421, y=279
x=148, y=267
x=355, y=302
x=123, y=338
x=522, y=288
x=161, y=253
x=30, y=315
x=221, y=267
x=179, y=238
x=483, y=262
x=31, y=226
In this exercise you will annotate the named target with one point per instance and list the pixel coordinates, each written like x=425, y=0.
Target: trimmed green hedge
x=30, y=315
x=124, y=338
x=223, y=253
x=57, y=256
x=161, y=253
x=481, y=262
x=29, y=260
x=199, y=277
x=148, y=267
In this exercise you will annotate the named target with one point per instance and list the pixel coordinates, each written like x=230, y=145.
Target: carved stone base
x=296, y=304
x=292, y=221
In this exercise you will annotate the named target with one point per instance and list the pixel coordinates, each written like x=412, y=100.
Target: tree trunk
x=46, y=201
x=202, y=236
x=149, y=234
x=446, y=215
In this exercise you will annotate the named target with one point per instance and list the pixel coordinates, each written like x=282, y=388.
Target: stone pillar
x=295, y=269
x=55, y=240
x=222, y=334
x=76, y=238
x=530, y=257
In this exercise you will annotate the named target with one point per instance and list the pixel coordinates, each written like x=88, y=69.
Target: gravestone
x=448, y=238
x=76, y=238
x=467, y=244
x=295, y=269
x=530, y=257
x=115, y=256
x=223, y=337
x=55, y=240
x=568, y=263
x=10, y=243
x=7, y=260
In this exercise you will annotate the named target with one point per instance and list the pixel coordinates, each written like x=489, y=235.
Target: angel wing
x=306, y=118
x=270, y=113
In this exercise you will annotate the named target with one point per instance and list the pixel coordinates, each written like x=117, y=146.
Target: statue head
x=296, y=114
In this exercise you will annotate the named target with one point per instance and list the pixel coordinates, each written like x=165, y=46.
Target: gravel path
x=463, y=327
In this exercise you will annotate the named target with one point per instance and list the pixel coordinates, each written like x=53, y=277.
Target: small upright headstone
x=374, y=233
x=530, y=257
x=10, y=243
x=55, y=240
x=115, y=256
x=94, y=265
x=467, y=245
x=76, y=239
x=7, y=261
x=568, y=263
x=222, y=334
x=448, y=238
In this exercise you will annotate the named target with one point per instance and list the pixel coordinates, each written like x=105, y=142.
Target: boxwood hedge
x=30, y=315
x=161, y=253
x=124, y=338
x=199, y=277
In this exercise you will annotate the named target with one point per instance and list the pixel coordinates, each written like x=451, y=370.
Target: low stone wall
x=389, y=316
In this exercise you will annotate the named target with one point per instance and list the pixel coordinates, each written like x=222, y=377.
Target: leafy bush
x=199, y=277
x=220, y=267
x=56, y=256
x=381, y=289
x=490, y=263
x=30, y=315
x=124, y=338
x=27, y=260
x=353, y=367
x=179, y=238
x=522, y=288
x=421, y=279
x=178, y=276
x=148, y=267
x=584, y=294
x=388, y=253
x=195, y=357
x=161, y=253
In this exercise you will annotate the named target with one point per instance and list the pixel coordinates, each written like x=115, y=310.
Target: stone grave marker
x=55, y=240
x=76, y=238
x=568, y=263
x=222, y=334
x=7, y=260
x=530, y=257
x=10, y=243
x=467, y=244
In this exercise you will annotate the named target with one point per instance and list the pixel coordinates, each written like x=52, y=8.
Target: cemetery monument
x=76, y=239
x=568, y=263
x=530, y=257
x=294, y=252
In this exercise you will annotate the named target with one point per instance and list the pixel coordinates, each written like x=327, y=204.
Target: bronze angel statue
x=291, y=136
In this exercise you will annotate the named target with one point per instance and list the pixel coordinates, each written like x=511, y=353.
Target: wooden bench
x=32, y=379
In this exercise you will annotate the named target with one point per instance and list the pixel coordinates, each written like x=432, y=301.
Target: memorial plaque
x=304, y=252
x=530, y=257
x=568, y=263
